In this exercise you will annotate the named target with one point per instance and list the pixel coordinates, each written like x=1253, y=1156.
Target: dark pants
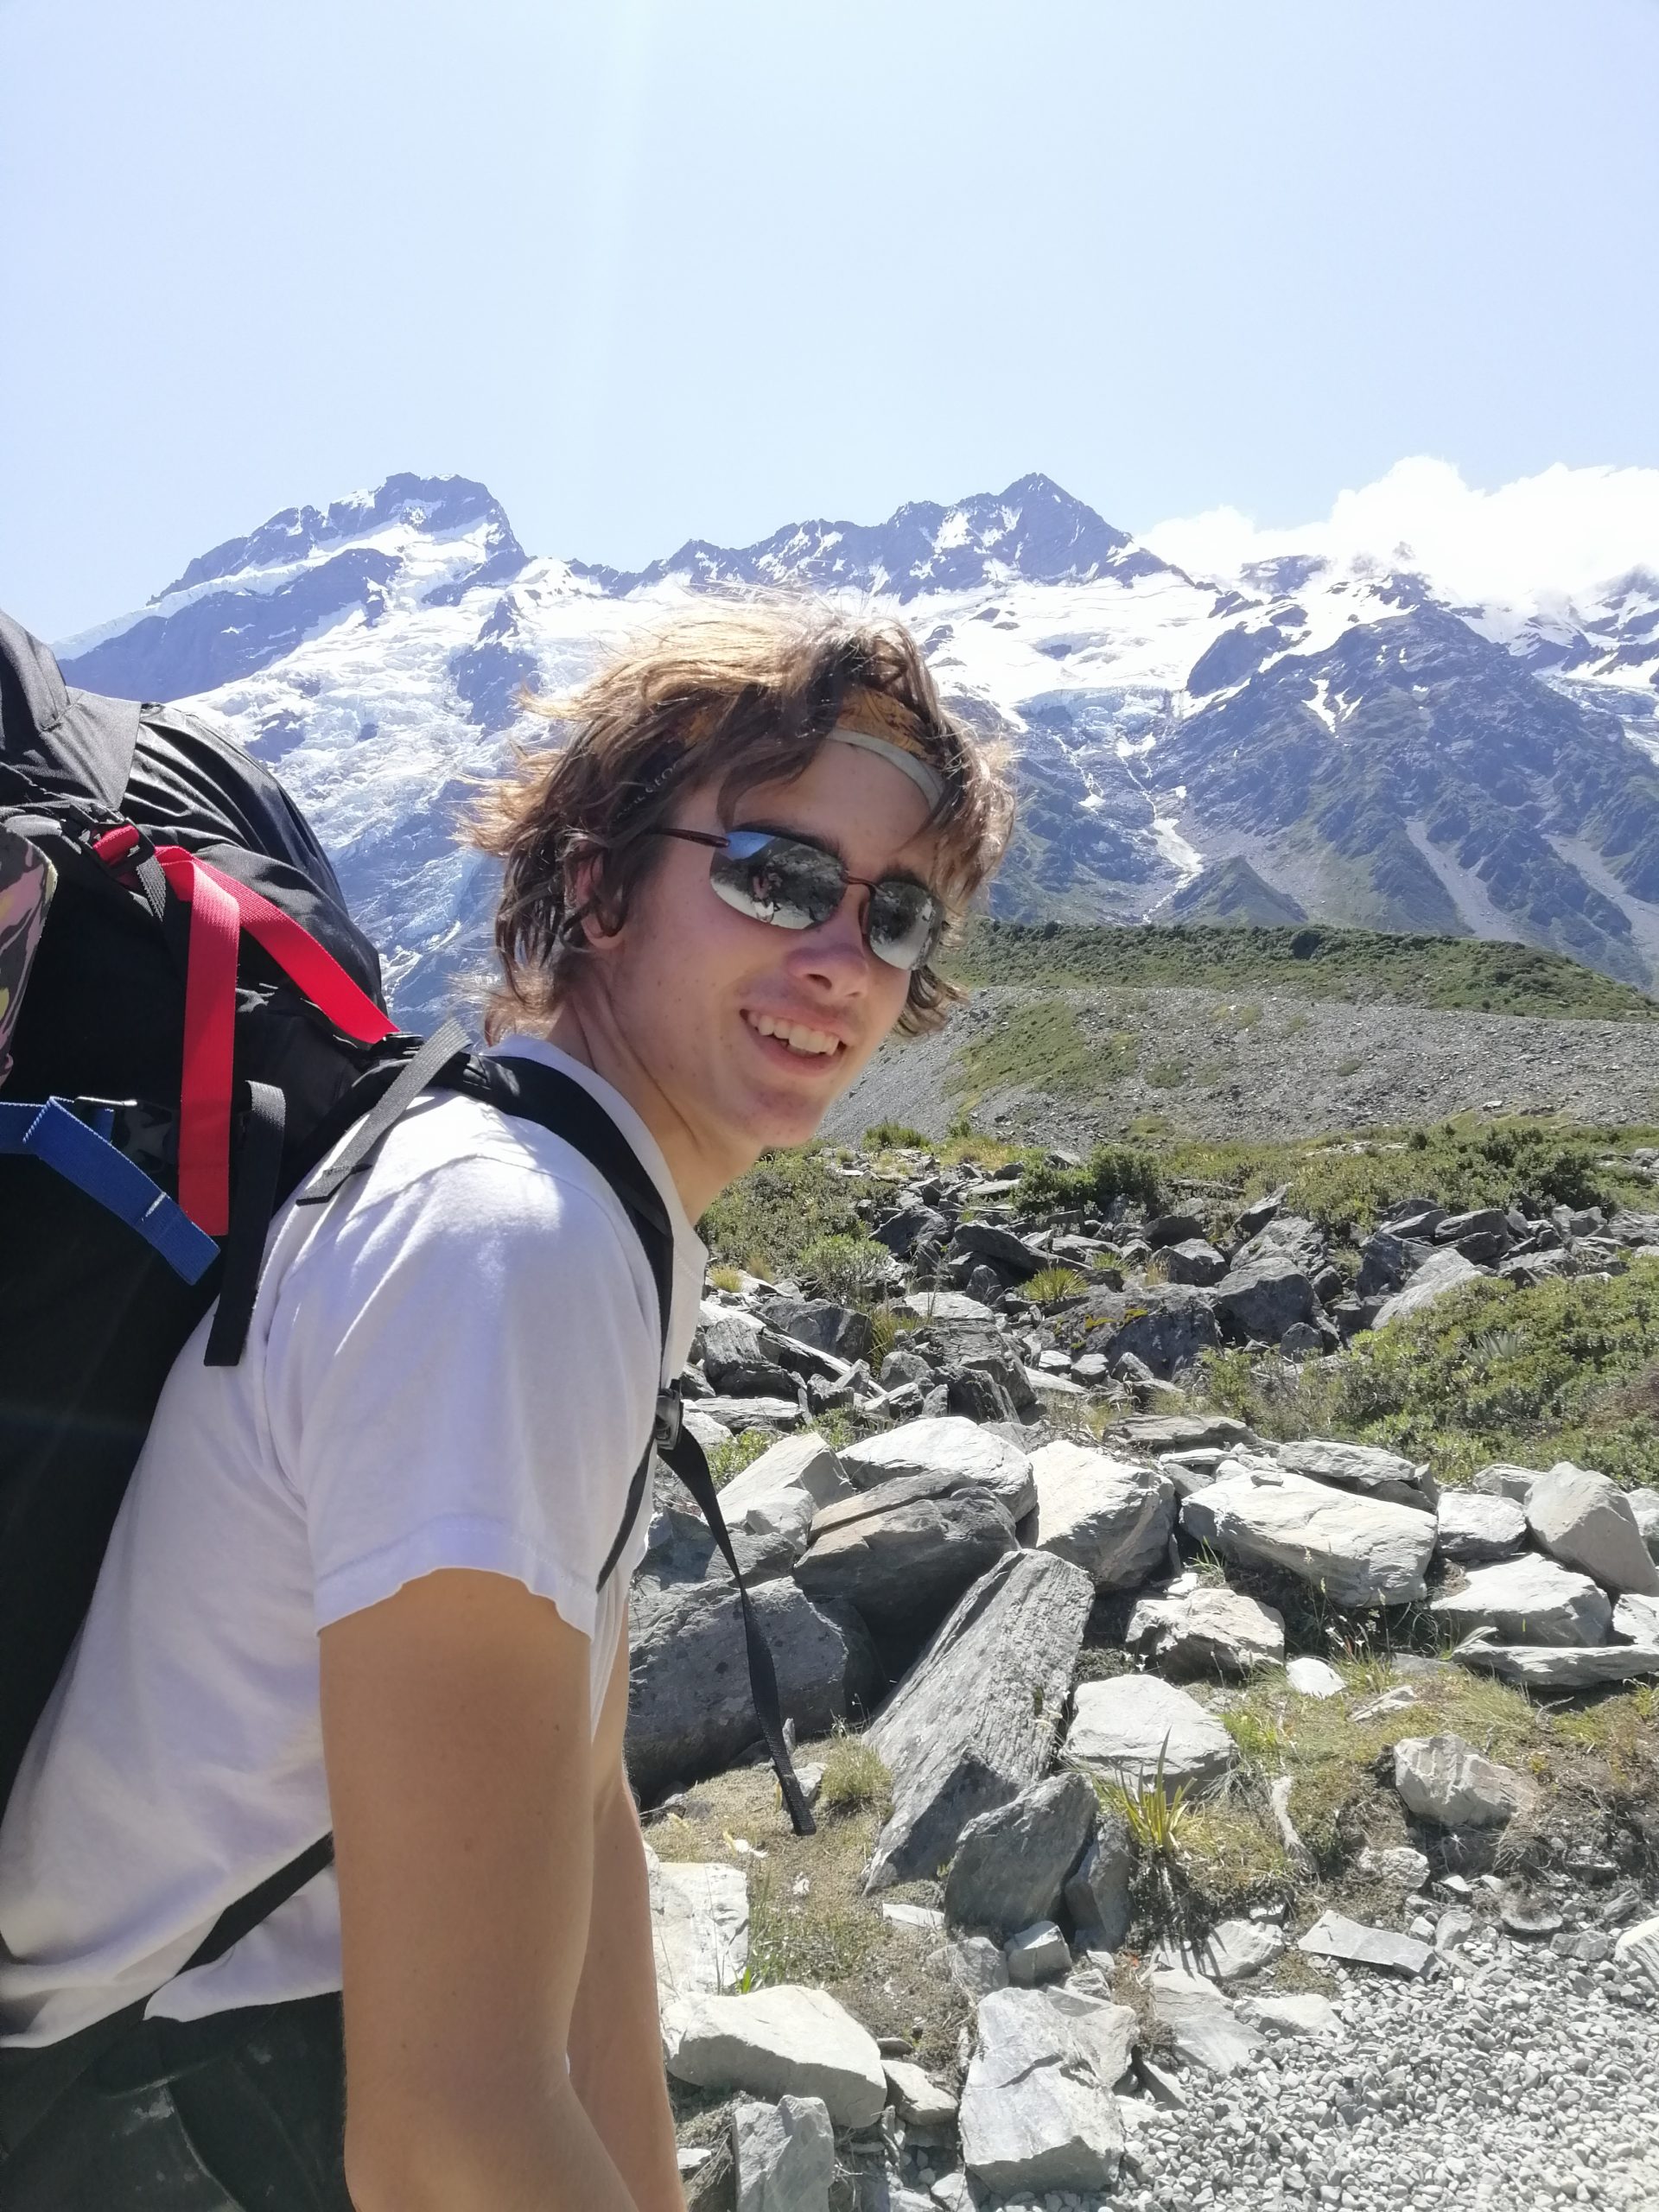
x=242, y=2112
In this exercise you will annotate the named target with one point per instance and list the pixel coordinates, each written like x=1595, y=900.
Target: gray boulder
x=1445, y=1780
x=1582, y=1520
x=778, y=1493
x=1644, y=1508
x=1194, y=1260
x=1360, y=1551
x=1363, y=1467
x=1265, y=1296
x=1474, y=1530
x=1037, y=1953
x=985, y=1240
x=1123, y=1728
x=1529, y=1600
x=840, y=1330
x=1355, y=1941
x=903, y=1554
x=1636, y=1619
x=1448, y=1270
x=1159, y=1433
x=978, y=1396
x=785, y=2041
x=785, y=2154
x=1011, y=1863
x=974, y=1721
x=1383, y=1265
x=910, y=1226
x=1207, y=1631
x=1035, y=2113
x=1500, y=1479
x=1167, y=1326
x=690, y=1713
x=1110, y=1516
x=948, y=1445
x=1097, y=1896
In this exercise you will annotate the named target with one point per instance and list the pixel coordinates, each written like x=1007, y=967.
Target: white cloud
x=1562, y=531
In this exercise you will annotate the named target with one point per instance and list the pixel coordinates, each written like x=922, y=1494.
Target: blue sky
x=653, y=270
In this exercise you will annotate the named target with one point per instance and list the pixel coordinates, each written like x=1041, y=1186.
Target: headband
x=925, y=777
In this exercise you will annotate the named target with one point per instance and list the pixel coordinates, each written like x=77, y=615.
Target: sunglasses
x=797, y=885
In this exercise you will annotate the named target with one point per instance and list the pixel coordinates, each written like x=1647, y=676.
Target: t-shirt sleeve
x=462, y=1374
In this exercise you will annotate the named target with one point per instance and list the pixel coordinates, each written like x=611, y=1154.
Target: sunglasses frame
x=721, y=842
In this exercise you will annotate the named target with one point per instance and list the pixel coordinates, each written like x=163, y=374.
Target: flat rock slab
x=1112, y=1517
x=1445, y=1781
x=1299, y=2014
x=1558, y=1667
x=1161, y=1433
x=1035, y=2115
x=1124, y=1727
x=1529, y=1600
x=1209, y=1630
x=1360, y=1551
x=699, y=1926
x=774, y=2042
x=1475, y=1529
x=1583, y=1520
x=947, y=1305
x=1334, y=1936
x=1637, y=1619
x=1363, y=1468
x=945, y=1445
x=974, y=1721
x=919, y=2099
x=1202, y=2023
x=785, y=2155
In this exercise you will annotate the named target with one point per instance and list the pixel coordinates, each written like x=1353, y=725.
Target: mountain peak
x=436, y=505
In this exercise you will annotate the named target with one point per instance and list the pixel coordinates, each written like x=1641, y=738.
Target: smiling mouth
x=804, y=1041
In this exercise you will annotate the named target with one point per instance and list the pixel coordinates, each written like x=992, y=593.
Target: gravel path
x=1515, y=2080
x=1275, y=1066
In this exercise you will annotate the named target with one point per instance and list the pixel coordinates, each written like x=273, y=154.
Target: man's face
x=745, y=1030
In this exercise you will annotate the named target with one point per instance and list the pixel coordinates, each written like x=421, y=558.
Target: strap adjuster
x=671, y=1418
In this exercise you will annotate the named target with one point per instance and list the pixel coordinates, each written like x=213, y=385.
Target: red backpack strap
x=220, y=909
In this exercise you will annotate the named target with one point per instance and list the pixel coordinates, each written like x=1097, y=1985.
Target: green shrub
x=1566, y=1370
x=768, y=1217
x=1050, y=1285
x=848, y=1268
x=1110, y=1171
x=894, y=1136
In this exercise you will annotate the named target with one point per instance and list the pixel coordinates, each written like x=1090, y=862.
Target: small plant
x=849, y=1268
x=854, y=1776
x=1155, y=1815
x=884, y=1334
x=1050, y=1285
x=725, y=1278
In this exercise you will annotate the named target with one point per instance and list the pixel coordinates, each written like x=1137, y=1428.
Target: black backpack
x=193, y=1023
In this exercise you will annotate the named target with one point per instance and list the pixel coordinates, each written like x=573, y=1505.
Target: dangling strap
x=55, y=1135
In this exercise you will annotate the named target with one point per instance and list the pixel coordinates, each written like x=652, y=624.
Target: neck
x=583, y=1026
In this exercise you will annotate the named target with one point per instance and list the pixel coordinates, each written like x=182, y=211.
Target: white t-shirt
x=452, y=1366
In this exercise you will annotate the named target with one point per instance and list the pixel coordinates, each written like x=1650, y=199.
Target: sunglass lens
x=774, y=879
x=904, y=921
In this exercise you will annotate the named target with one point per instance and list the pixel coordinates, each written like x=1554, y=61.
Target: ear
x=581, y=879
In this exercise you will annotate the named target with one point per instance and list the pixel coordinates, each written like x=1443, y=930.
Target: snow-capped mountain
x=1327, y=736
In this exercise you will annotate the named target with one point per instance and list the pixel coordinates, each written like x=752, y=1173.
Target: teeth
x=795, y=1035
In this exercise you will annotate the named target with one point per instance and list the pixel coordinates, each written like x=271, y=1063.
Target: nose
x=834, y=957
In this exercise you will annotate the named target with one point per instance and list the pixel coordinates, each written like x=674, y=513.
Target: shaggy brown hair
x=742, y=691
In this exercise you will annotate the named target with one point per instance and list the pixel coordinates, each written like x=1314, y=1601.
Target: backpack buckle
x=670, y=1416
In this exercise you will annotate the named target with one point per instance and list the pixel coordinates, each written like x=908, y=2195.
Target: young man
x=357, y=1579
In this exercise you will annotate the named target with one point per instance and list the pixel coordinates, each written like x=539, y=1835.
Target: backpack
x=189, y=1024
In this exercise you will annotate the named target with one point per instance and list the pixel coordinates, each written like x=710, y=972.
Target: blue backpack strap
x=55, y=1135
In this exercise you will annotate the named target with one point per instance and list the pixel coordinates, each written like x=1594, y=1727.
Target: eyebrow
x=895, y=874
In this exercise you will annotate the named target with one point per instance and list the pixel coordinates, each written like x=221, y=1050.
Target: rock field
x=1074, y=1628
x=1298, y=1067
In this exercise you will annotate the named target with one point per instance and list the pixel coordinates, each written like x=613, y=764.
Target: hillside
x=1314, y=962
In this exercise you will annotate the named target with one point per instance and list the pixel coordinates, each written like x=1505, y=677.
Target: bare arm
x=616, y=2052
x=456, y=1730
